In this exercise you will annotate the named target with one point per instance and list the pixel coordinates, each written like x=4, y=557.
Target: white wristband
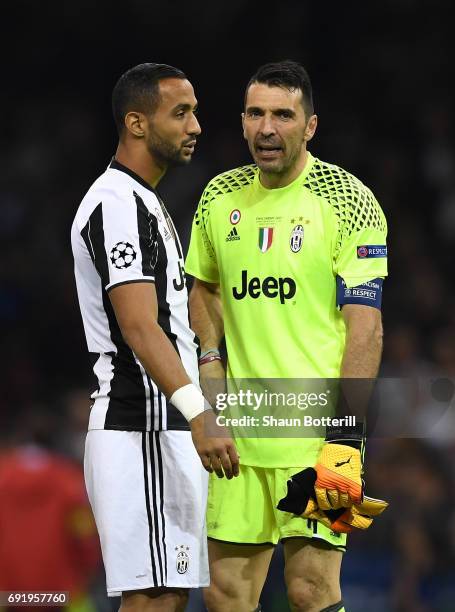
x=189, y=400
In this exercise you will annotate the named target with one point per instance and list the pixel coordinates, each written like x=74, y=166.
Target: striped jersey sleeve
x=121, y=236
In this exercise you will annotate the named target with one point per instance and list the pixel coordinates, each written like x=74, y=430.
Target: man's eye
x=180, y=114
x=253, y=113
x=285, y=115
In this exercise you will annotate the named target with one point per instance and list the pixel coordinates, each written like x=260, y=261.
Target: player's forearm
x=362, y=353
x=157, y=355
x=360, y=365
x=206, y=314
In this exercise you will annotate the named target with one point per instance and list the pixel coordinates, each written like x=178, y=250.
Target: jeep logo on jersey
x=270, y=287
x=182, y=561
x=180, y=282
x=296, y=238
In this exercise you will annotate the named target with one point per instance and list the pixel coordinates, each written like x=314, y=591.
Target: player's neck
x=140, y=163
x=275, y=181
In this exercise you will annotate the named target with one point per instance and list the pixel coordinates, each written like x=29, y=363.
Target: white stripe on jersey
x=154, y=502
x=104, y=371
x=148, y=405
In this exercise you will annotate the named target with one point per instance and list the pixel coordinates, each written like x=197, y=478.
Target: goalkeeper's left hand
x=301, y=500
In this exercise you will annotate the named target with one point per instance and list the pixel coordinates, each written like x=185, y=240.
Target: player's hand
x=301, y=500
x=358, y=516
x=212, y=378
x=339, y=469
x=214, y=445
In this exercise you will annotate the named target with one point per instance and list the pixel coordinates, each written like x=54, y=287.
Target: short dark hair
x=138, y=90
x=289, y=75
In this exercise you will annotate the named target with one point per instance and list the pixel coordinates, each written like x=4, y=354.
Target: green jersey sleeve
x=360, y=244
x=201, y=259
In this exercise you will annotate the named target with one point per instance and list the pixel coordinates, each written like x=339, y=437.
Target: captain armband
x=366, y=294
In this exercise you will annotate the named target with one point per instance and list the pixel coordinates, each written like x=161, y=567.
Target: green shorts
x=244, y=510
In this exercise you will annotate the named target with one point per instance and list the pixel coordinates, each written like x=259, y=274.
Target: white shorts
x=148, y=493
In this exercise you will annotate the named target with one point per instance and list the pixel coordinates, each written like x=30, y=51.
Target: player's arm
x=363, y=349
x=339, y=467
x=360, y=265
x=337, y=478
x=206, y=314
x=136, y=309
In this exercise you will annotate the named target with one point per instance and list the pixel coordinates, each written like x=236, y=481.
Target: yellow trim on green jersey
x=276, y=254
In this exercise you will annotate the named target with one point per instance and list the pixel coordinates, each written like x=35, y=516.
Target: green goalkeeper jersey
x=276, y=254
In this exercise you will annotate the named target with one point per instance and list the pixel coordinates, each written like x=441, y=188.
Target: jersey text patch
x=366, y=294
x=371, y=250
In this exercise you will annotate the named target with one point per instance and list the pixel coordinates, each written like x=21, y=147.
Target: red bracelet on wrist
x=209, y=358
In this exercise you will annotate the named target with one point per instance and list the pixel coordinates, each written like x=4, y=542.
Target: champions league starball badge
x=122, y=255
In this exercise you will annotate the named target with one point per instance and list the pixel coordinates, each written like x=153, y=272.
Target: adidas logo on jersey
x=233, y=235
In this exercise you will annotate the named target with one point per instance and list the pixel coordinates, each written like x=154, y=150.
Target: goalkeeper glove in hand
x=339, y=468
x=301, y=500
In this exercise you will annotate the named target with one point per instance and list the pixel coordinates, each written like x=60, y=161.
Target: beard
x=165, y=153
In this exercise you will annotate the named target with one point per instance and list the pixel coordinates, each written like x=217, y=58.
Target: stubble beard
x=278, y=167
x=166, y=154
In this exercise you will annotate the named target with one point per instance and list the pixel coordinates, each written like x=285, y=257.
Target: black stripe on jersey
x=147, y=502
x=93, y=236
x=147, y=227
x=127, y=395
x=88, y=244
x=162, y=493
x=93, y=359
x=175, y=419
x=155, y=495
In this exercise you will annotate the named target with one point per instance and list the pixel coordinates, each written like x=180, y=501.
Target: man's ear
x=310, y=128
x=243, y=124
x=135, y=124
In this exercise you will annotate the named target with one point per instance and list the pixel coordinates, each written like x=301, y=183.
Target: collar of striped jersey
x=116, y=165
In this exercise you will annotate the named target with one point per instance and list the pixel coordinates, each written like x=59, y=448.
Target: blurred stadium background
x=383, y=80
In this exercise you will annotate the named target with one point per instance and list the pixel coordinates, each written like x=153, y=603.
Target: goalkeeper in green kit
x=289, y=256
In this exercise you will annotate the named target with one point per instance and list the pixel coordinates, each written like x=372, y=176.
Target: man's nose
x=267, y=126
x=194, y=127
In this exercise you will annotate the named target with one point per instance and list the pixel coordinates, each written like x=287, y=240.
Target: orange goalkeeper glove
x=301, y=500
x=339, y=468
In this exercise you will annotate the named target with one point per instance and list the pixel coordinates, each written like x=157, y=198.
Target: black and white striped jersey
x=122, y=234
